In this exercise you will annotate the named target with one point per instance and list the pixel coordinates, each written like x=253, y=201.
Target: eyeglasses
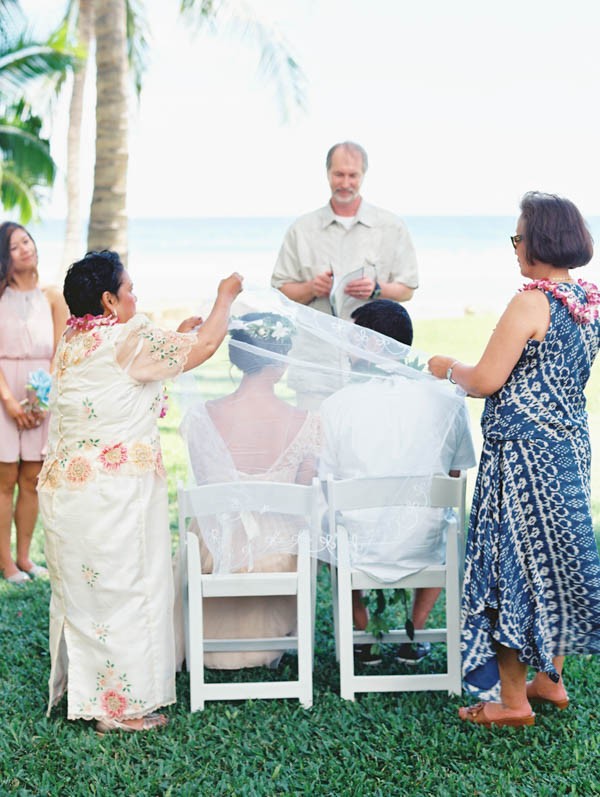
x=515, y=239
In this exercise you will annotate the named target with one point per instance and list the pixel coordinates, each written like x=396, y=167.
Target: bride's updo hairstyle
x=253, y=331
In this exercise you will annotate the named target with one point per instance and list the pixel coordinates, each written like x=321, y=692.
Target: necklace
x=580, y=312
x=89, y=321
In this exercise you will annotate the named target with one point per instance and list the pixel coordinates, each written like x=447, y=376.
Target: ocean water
x=466, y=263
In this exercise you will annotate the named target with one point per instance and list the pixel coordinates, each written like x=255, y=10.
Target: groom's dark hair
x=386, y=317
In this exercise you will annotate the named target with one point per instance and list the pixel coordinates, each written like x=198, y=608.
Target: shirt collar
x=364, y=215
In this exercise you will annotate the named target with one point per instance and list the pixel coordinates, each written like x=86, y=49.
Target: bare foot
x=10, y=570
x=146, y=723
x=542, y=688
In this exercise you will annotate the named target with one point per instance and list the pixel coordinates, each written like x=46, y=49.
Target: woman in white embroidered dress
x=103, y=497
x=251, y=434
x=31, y=322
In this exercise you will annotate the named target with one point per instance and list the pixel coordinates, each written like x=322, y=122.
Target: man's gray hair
x=353, y=147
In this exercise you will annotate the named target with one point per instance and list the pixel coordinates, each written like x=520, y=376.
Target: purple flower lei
x=89, y=321
x=581, y=313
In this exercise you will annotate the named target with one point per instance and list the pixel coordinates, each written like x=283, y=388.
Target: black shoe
x=363, y=655
x=413, y=652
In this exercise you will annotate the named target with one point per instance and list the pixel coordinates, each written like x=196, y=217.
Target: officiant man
x=358, y=251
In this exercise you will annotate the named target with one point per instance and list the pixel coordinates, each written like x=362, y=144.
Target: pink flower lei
x=89, y=321
x=581, y=313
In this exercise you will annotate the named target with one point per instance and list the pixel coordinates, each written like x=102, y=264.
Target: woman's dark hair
x=555, y=231
x=386, y=317
x=6, y=231
x=87, y=279
x=257, y=332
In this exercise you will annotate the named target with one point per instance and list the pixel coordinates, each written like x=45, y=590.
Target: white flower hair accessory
x=277, y=329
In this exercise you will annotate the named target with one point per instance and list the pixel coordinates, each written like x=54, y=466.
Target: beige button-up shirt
x=377, y=245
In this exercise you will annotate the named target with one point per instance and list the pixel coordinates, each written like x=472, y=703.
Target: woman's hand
x=191, y=324
x=439, y=364
x=39, y=416
x=231, y=286
x=214, y=329
x=21, y=415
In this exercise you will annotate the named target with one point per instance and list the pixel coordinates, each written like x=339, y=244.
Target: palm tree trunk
x=108, y=219
x=73, y=232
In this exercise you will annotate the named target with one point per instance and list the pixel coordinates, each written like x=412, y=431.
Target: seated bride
x=250, y=434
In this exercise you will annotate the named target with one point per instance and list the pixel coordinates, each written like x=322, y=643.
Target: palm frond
x=29, y=154
x=276, y=61
x=11, y=18
x=26, y=161
x=137, y=42
x=27, y=61
x=200, y=12
x=15, y=193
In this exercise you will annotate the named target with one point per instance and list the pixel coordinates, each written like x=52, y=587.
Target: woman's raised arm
x=214, y=329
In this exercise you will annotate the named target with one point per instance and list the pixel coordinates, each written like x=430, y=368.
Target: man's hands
x=360, y=288
x=322, y=283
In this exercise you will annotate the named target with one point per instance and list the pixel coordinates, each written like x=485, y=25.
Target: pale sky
x=462, y=105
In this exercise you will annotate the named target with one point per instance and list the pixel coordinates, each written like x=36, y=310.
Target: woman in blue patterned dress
x=532, y=571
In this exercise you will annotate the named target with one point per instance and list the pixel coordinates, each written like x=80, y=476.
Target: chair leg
x=182, y=573
x=195, y=662
x=346, y=634
x=314, y=566
x=336, y=609
x=304, y=620
x=453, y=613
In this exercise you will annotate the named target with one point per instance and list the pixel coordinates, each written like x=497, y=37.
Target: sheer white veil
x=252, y=413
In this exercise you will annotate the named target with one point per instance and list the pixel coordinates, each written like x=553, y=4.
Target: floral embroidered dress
x=103, y=499
x=532, y=575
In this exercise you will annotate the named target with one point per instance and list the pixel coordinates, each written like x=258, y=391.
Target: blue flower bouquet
x=39, y=383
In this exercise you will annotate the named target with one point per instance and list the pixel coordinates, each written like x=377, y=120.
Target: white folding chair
x=363, y=493
x=288, y=499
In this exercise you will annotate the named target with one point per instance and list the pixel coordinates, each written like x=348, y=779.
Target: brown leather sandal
x=477, y=715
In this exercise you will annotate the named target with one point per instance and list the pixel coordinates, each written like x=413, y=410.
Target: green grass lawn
x=381, y=745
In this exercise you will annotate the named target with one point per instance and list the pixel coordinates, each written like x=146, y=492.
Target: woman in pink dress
x=31, y=322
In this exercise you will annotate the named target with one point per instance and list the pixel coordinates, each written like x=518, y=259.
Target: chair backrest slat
x=366, y=493
x=209, y=499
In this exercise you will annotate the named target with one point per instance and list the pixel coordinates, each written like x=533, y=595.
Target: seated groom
x=380, y=428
